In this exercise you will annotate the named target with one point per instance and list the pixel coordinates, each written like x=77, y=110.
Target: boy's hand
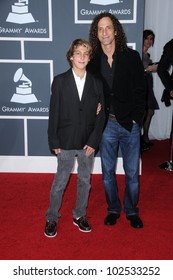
x=89, y=150
x=56, y=151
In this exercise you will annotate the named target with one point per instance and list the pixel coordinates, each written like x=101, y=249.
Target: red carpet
x=24, y=199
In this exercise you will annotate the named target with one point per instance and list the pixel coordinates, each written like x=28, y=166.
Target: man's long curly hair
x=120, y=37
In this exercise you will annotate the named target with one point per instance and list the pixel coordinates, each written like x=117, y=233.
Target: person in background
x=122, y=73
x=74, y=130
x=163, y=69
x=152, y=104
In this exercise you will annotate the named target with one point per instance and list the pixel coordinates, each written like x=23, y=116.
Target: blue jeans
x=115, y=136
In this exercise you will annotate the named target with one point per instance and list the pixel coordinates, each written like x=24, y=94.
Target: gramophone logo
x=23, y=92
x=19, y=13
x=104, y=2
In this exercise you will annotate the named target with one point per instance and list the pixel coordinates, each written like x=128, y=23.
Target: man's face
x=106, y=32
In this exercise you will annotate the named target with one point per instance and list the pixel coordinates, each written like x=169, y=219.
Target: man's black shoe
x=135, y=221
x=82, y=224
x=145, y=147
x=50, y=229
x=111, y=219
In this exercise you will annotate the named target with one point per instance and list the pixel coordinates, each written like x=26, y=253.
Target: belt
x=112, y=117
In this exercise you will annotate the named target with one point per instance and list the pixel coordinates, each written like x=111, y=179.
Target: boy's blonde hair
x=74, y=45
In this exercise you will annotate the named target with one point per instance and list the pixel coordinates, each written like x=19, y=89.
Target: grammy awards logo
x=23, y=93
x=104, y=2
x=19, y=13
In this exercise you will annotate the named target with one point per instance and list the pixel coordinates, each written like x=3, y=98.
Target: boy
x=74, y=130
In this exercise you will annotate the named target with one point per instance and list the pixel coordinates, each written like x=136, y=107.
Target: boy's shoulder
x=63, y=74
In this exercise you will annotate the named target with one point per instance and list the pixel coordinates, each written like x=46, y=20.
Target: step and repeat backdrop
x=34, y=39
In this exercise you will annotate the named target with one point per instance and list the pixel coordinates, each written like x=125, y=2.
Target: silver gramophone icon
x=23, y=93
x=19, y=13
x=104, y=2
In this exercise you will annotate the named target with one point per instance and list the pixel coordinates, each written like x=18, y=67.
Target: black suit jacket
x=164, y=66
x=74, y=123
x=129, y=98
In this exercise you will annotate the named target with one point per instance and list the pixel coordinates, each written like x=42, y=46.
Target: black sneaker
x=50, y=229
x=82, y=224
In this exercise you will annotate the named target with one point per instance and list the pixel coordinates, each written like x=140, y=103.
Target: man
x=122, y=73
x=165, y=63
x=74, y=130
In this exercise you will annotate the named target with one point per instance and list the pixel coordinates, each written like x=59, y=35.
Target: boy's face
x=80, y=57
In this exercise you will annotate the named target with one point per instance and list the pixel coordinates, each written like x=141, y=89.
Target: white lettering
x=36, y=30
x=10, y=30
x=120, y=12
x=13, y=109
x=40, y=110
x=84, y=12
x=22, y=109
